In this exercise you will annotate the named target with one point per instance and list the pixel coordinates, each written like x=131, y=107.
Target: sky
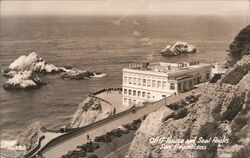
x=105, y=7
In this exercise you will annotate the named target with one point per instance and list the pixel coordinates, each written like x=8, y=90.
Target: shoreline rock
x=24, y=71
x=29, y=137
x=32, y=62
x=24, y=80
x=179, y=48
x=75, y=74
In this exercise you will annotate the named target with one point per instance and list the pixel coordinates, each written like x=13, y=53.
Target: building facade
x=151, y=82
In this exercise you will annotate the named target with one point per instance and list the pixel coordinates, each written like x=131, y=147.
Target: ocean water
x=97, y=43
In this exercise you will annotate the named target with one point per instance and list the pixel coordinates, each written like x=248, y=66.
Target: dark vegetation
x=235, y=75
x=240, y=46
x=215, y=78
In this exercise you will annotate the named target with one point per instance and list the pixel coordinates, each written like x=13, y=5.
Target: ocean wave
x=11, y=145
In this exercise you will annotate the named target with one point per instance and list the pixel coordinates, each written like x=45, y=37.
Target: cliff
x=29, y=137
x=240, y=46
x=222, y=111
x=89, y=111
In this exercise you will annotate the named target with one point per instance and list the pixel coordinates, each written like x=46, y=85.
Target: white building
x=151, y=82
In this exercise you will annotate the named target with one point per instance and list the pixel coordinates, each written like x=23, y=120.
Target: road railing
x=74, y=132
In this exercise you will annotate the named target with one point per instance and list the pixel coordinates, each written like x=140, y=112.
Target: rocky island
x=179, y=48
x=221, y=114
x=25, y=72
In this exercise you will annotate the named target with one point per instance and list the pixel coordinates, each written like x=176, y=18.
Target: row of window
x=128, y=100
x=185, y=85
x=145, y=82
x=157, y=83
x=135, y=93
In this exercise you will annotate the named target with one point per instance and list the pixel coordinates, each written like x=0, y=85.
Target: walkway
x=62, y=148
x=115, y=98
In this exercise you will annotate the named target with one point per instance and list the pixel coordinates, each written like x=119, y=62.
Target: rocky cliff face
x=222, y=111
x=29, y=137
x=240, y=46
x=89, y=111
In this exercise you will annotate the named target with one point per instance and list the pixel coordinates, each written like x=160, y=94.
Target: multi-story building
x=151, y=82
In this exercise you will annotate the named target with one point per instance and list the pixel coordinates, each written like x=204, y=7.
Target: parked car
x=90, y=149
x=191, y=99
x=136, y=124
x=82, y=147
x=96, y=145
x=127, y=126
x=116, y=132
x=103, y=138
x=124, y=130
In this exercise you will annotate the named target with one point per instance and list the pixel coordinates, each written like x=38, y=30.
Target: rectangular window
x=130, y=101
x=125, y=79
x=139, y=81
x=179, y=86
x=130, y=92
x=139, y=94
x=190, y=83
x=134, y=80
x=164, y=85
x=130, y=80
x=172, y=86
x=125, y=100
x=144, y=82
x=143, y=94
x=134, y=93
x=149, y=83
x=153, y=83
x=184, y=85
x=125, y=91
x=148, y=95
x=158, y=84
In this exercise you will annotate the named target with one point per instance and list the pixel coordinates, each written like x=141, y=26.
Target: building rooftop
x=164, y=67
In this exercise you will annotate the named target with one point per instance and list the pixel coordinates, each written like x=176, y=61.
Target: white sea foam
x=10, y=145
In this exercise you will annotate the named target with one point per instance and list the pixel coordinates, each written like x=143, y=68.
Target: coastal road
x=120, y=152
x=117, y=148
x=60, y=149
